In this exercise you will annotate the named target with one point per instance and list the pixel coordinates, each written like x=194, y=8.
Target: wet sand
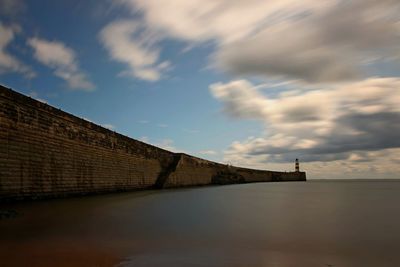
x=265, y=224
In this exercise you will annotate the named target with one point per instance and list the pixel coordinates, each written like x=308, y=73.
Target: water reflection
x=266, y=224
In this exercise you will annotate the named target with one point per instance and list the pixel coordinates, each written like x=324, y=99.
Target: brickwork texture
x=45, y=152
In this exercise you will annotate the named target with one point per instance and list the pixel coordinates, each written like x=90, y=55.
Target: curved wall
x=45, y=152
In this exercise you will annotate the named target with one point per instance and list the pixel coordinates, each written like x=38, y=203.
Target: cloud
x=323, y=51
x=128, y=42
x=315, y=41
x=204, y=20
x=326, y=45
x=9, y=63
x=344, y=122
x=240, y=99
x=62, y=59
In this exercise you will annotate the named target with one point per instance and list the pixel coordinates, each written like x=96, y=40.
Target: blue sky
x=252, y=83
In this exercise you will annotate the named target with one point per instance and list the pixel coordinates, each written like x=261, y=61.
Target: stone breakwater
x=46, y=152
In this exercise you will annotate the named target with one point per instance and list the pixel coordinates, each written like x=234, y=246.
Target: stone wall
x=191, y=171
x=195, y=171
x=45, y=152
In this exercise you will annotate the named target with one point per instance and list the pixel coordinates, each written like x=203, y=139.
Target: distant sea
x=314, y=223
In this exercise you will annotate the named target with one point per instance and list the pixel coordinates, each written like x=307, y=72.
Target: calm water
x=264, y=224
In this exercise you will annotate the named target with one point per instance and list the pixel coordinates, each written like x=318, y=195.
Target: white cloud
x=325, y=51
x=242, y=100
x=343, y=122
x=128, y=42
x=316, y=41
x=203, y=20
x=62, y=60
x=328, y=45
x=9, y=63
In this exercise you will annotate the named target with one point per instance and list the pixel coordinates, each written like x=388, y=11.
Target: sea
x=313, y=223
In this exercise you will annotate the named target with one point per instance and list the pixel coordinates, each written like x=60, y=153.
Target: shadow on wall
x=47, y=153
x=226, y=177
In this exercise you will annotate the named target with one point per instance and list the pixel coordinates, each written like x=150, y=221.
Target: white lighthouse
x=297, y=165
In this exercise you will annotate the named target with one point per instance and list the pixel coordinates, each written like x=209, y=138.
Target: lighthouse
x=297, y=165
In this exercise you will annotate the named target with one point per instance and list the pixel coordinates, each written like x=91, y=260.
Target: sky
x=252, y=83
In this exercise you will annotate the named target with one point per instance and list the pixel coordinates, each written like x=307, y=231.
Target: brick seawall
x=46, y=152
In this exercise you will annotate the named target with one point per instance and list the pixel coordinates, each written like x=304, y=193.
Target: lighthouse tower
x=297, y=165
